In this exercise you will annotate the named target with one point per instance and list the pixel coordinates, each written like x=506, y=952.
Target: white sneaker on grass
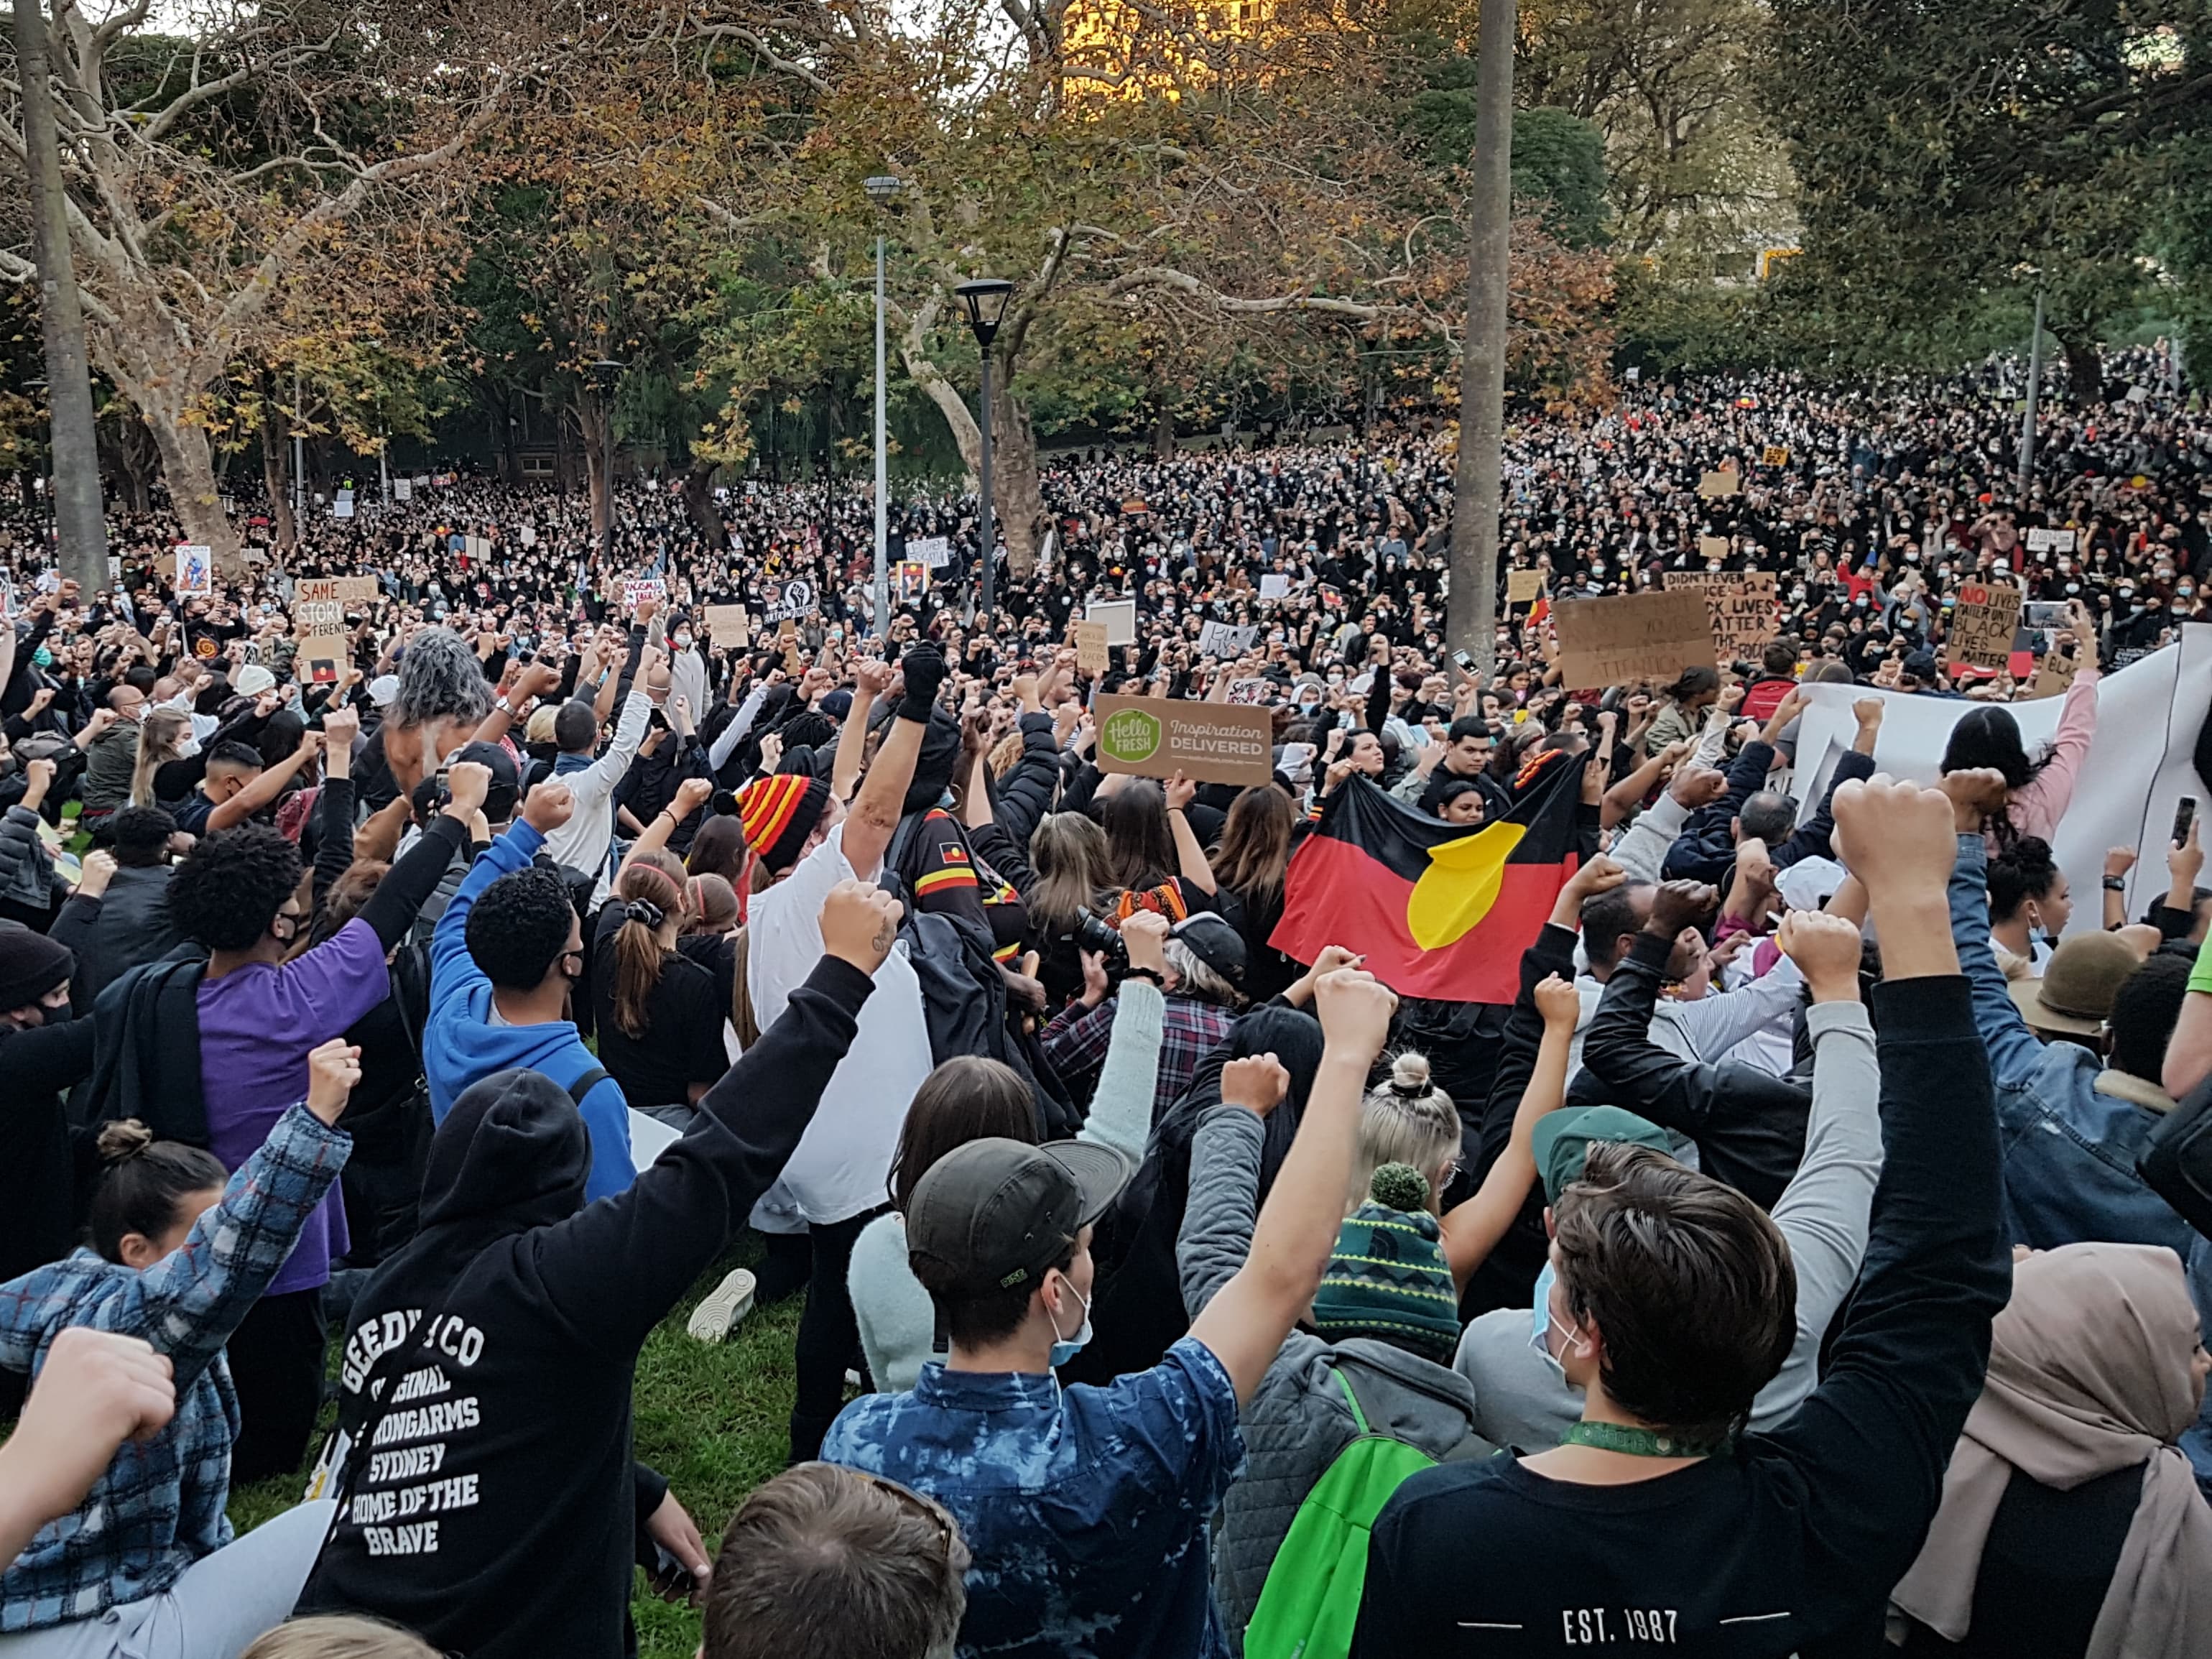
x=724, y=1307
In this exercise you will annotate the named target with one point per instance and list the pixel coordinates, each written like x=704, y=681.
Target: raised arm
x=1216, y=1237
x=1122, y=1105
x=614, y=1269
x=2013, y=1050
x=1245, y=1323
x=1472, y=1229
x=880, y=803
x=1190, y=857
x=266, y=788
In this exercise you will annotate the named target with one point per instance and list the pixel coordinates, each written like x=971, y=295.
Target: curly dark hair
x=519, y=924
x=228, y=891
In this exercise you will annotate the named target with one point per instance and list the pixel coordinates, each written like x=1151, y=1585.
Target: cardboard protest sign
x=1120, y=617
x=1090, y=648
x=727, y=624
x=1774, y=455
x=1159, y=737
x=1257, y=692
x=1274, y=585
x=1714, y=484
x=1524, y=586
x=1742, y=603
x=1712, y=547
x=2054, y=678
x=316, y=606
x=790, y=600
x=195, y=572
x=323, y=658
x=1636, y=636
x=1983, y=624
x=354, y=591
x=933, y=551
x=1220, y=639
x=787, y=637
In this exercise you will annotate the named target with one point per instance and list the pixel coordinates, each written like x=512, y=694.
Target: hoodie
x=492, y=1508
x=460, y=1043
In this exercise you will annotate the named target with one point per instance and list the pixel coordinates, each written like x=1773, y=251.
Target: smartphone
x=2042, y=613
x=2184, y=816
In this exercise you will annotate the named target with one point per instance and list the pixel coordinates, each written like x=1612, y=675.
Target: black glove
x=924, y=670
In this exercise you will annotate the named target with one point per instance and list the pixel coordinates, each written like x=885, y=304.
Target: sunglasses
x=956, y=1549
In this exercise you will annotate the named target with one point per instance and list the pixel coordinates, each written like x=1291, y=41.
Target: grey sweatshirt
x=1298, y=1421
x=1524, y=1400
x=898, y=1323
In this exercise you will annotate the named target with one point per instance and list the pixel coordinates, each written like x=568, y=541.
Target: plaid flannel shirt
x=159, y=1508
x=1076, y=1041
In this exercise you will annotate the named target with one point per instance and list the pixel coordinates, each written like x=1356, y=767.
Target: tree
x=1476, y=482
x=1981, y=149
x=205, y=176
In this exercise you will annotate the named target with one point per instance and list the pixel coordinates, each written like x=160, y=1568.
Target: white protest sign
x=195, y=568
x=1274, y=585
x=935, y=552
x=636, y=590
x=1219, y=639
x=402, y=490
x=1120, y=617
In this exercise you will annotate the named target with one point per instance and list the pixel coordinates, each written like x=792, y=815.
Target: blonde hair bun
x=122, y=1139
x=1409, y=1074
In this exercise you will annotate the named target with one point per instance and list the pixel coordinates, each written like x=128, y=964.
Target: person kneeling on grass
x=145, y=1566
x=1658, y=1522
x=1085, y=1507
x=485, y=1385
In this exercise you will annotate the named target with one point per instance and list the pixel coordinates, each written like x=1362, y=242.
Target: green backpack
x=1310, y=1601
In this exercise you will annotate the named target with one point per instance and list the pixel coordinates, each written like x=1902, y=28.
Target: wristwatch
x=2116, y=883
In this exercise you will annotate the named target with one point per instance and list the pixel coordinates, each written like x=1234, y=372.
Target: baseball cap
x=384, y=689
x=995, y=1214
x=1562, y=1140
x=505, y=780
x=2079, y=983
x=1214, y=942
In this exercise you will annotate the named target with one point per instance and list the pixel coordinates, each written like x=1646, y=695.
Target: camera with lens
x=1094, y=933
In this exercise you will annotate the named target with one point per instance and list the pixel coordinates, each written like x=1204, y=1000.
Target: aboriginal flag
x=1437, y=910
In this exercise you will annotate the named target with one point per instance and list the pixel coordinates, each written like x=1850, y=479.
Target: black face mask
x=60, y=1015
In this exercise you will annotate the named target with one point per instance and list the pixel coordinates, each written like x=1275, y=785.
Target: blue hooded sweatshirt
x=460, y=1044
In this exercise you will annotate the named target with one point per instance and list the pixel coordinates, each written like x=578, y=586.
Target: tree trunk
x=80, y=516
x=2084, y=370
x=190, y=473
x=592, y=422
x=142, y=462
x=276, y=468
x=1018, y=494
x=706, y=511
x=1472, y=613
x=1163, y=434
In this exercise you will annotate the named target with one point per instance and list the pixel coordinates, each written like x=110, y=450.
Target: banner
x=1636, y=636
x=2138, y=767
x=1159, y=737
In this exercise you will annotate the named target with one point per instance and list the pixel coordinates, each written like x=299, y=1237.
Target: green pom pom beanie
x=1388, y=1277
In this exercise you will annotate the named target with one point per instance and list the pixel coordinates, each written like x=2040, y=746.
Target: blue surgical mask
x=1064, y=1348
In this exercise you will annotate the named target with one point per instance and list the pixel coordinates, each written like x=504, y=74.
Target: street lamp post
x=985, y=302
x=882, y=190
x=2028, y=414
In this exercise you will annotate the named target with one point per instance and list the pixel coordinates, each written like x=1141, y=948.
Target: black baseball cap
x=996, y=1213
x=506, y=782
x=1215, y=941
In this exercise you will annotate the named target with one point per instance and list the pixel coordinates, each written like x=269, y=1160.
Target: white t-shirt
x=844, y=1159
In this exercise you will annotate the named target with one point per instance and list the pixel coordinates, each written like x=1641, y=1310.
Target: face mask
x=683, y=642
x=1064, y=1348
x=1542, y=1322
x=60, y=1015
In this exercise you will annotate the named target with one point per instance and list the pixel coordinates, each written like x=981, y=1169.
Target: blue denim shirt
x=2069, y=1149
x=1084, y=1509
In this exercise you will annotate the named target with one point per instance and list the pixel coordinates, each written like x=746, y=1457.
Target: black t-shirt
x=682, y=1040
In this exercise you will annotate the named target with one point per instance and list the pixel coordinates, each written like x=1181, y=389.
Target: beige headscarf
x=2089, y=1373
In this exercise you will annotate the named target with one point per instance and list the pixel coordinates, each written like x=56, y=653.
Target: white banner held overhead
x=935, y=552
x=2138, y=767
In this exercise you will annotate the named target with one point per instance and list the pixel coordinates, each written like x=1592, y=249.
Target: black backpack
x=2176, y=1161
x=964, y=997
x=146, y=1052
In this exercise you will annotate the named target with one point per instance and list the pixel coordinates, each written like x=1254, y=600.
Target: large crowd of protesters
x=1811, y=1260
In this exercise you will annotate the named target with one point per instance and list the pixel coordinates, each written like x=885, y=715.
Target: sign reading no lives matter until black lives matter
x=1210, y=742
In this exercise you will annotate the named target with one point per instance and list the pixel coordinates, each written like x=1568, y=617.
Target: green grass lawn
x=712, y=1417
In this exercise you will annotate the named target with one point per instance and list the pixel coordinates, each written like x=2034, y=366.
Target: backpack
x=146, y=1052
x=1310, y=1601
x=2176, y=1160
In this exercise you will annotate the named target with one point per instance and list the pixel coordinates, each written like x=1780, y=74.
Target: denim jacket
x=1084, y=1509
x=2070, y=1130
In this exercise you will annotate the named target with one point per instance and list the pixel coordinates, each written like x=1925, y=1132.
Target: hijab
x=2089, y=1373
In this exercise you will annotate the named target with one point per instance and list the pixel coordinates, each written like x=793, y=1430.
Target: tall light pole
x=73, y=448
x=2035, y=395
x=985, y=302
x=882, y=190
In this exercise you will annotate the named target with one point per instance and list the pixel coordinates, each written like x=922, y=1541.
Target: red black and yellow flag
x=1438, y=910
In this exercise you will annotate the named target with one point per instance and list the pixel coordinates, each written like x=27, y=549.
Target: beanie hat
x=31, y=965
x=1387, y=1277
x=778, y=814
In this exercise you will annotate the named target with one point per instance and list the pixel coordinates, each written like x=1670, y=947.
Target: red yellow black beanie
x=777, y=815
